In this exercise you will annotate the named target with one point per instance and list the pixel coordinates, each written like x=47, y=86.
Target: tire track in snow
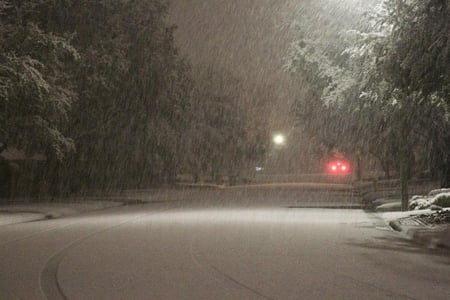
x=56, y=226
x=48, y=279
x=201, y=261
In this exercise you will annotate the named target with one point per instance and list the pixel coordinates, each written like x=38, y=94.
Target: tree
x=379, y=78
x=224, y=136
x=104, y=73
x=329, y=65
x=413, y=63
x=133, y=88
x=417, y=63
x=36, y=93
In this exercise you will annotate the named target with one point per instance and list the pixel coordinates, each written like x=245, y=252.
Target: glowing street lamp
x=279, y=139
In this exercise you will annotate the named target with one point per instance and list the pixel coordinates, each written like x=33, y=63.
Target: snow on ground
x=394, y=215
x=25, y=212
x=14, y=218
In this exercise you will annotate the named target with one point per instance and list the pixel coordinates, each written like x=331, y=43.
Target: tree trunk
x=386, y=169
x=404, y=169
x=445, y=177
x=358, y=168
x=404, y=181
x=5, y=178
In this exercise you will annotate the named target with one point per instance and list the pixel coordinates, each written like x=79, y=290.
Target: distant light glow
x=279, y=139
x=338, y=167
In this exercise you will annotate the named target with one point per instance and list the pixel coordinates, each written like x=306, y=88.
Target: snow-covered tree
x=104, y=73
x=36, y=93
x=416, y=64
x=384, y=76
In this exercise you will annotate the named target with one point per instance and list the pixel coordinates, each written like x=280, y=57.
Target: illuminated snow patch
x=261, y=215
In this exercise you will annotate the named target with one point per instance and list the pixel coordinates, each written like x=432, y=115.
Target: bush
x=443, y=201
x=419, y=202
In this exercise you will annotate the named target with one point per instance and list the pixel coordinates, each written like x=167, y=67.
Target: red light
x=338, y=167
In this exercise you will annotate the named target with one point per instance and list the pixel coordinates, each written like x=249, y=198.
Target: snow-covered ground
x=14, y=218
x=26, y=212
x=419, y=204
x=394, y=215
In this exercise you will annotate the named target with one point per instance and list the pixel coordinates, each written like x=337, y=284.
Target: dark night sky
x=242, y=36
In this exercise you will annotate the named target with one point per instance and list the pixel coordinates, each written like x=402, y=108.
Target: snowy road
x=225, y=247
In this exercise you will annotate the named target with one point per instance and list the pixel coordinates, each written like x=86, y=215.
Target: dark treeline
x=97, y=97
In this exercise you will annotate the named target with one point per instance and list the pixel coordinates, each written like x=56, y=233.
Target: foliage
x=385, y=79
x=415, y=63
x=104, y=73
x=35, y=91
x=134, y=89
x=417, y=57
x=443, y=201
x=100, y=88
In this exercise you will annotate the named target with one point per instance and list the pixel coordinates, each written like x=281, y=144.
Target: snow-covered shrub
x=442, y=200
x=439, y=197
x=419, y=202
x=438, y=191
